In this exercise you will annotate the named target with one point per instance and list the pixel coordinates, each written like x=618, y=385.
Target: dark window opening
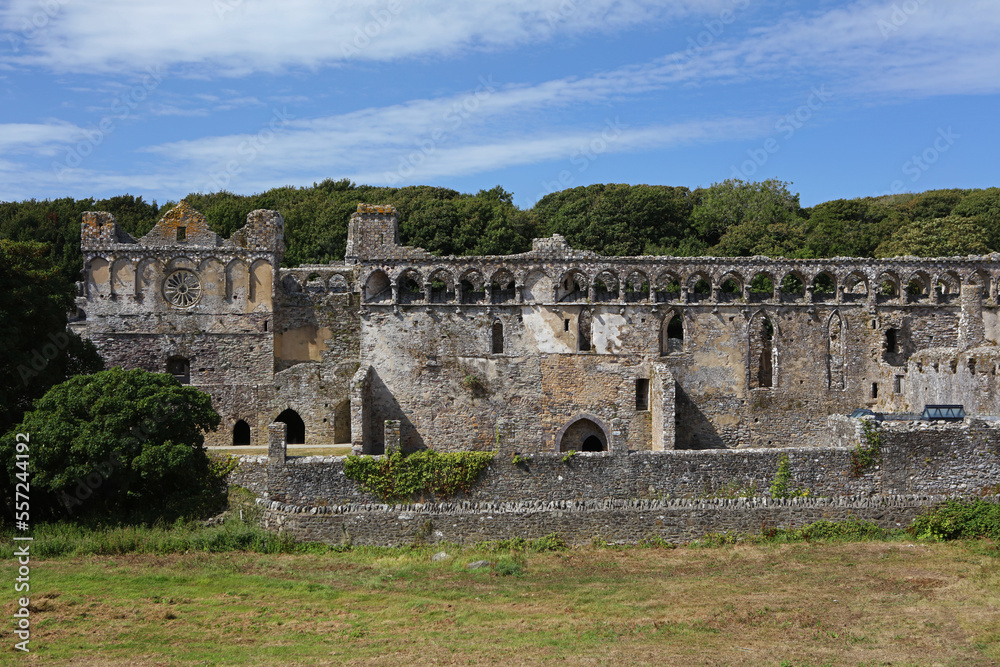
x=874, y=390
x=181, y=234
x=972, y=366
x=241, y=433
x=180, y=368
x=565, y=325
x=765, y=373
x=592, y=444
x=584, y=331
x=891, y=343
x=897, y=385
x=675, y=329
x=642, y=394
x=342, y=423
x=296, y=432
x=497, y=338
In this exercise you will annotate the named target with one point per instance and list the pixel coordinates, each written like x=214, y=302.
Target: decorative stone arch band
x=582, y=432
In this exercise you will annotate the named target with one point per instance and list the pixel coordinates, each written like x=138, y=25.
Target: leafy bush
x=399, y=477
x=120, y=445
x=958, y=519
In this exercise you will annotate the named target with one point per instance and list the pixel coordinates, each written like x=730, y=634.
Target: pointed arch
x=573, y=286
x=237, y=281
x=606, y=286
x=377, y=289
x=584, y=331
x=761, y=351
x=411, y=286
x=793, y=286
x=442, y=286
x=123, y=277
x=699, y=286
x=583, y=433
x=918, y=287
x=730, y=287
x=824, y=287
x=538, y=287
x=854, y=287
x=887, y=287
x=261, y=281
x=836, y=346
x=473, y=287
x=502, y=287
x=667, y=287
x=761, y=287
x=99, y=277
x=637, y=287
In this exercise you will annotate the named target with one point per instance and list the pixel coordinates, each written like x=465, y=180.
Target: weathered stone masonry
x=629, y=360
x=557, y=343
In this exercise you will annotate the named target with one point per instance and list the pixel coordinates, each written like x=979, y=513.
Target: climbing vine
x=399, y=476
x=782, y=487
x=867, y=453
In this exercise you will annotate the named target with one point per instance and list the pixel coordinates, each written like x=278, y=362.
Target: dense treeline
x=731, y=218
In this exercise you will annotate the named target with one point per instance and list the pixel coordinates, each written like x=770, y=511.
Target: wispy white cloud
x=240, y=36
x=37, y=138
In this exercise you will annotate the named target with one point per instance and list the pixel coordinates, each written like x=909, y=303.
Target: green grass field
x=895, y=602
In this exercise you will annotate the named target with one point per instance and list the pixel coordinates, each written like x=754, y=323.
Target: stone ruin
x=554, y=349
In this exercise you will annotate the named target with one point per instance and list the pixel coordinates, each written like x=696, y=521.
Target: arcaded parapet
x=556, y=349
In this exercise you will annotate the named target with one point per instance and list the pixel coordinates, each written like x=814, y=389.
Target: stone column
x=971, y=331
x=619, y=437
x=391, y=435
x=277, y=450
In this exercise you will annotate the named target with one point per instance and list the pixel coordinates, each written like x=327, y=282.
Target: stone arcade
x=634, y=361
x=565, y=348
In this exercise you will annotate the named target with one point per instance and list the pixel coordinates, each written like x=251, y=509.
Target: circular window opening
x=182, y=288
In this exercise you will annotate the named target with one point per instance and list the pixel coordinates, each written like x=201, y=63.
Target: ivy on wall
x=400, y=477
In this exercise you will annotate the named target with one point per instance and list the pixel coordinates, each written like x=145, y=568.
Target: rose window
x=182, y=288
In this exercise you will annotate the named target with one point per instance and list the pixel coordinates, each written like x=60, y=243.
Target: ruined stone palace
x=556, y=348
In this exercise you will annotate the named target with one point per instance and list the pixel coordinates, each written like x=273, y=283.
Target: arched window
x=241, y=433
x=671, y=335
x=180, y=368
x=497, y=337
x=584, y=327
x=761, y=353
x=296, y=431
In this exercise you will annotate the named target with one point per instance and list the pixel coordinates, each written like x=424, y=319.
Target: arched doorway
x=296, y=431
x=241, y=433
x=583, y=434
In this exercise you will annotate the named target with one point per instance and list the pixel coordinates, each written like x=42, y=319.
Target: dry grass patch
x=798, y=605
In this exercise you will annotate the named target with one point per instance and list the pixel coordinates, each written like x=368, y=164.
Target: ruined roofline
x=184, y=227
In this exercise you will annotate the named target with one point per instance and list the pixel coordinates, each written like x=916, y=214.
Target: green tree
x=120, y=445
x=938, y=237
x=845, y=228
x=739, y=218
x=38, y=352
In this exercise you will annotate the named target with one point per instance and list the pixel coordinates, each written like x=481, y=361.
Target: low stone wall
x=589, y=493
x=578, y=522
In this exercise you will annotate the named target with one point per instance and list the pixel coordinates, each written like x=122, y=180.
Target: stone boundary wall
x=578, y=522
x=917, y=458
x=617, y=493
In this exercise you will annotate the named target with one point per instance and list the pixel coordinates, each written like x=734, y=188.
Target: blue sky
x=844, y=99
